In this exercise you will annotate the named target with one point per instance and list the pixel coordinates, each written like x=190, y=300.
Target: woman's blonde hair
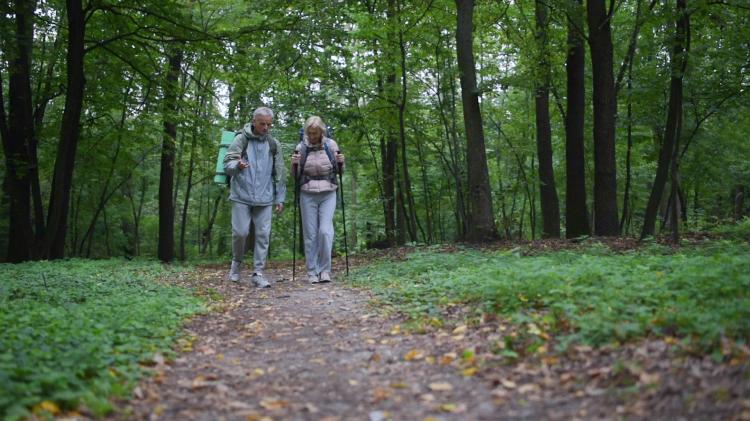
x=315, y=121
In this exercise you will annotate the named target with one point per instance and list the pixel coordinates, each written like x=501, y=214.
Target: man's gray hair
x=264, y=111
x=315, y=121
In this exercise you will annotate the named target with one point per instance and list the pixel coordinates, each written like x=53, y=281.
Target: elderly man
x=254, y=163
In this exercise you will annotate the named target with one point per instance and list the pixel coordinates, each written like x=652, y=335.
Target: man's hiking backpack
x=227, y=137
x=303, y=179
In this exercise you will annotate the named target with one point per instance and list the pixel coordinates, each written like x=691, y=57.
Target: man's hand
x=243, y=164
x=279, y=208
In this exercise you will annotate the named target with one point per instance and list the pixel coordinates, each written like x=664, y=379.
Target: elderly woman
x=315, y=164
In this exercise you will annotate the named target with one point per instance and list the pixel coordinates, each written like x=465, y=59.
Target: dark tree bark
x=547, y=190
x=605, y=109
x=738, y=197
x=186, y=202
x=674, y=117
x=136, y=209
x=44, y=95
x=481, y=217
x=576, y=211
x=165, y=250
x=628, y=155
x=17, y=134
x=409, y=206
x=70, y=129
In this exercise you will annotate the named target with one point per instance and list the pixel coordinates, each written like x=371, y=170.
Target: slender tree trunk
x=481, y=216
x=605, y=109
x=428, y=205
x=411, y=208
x=353, y=206
x=444, y=89
x=576, y=211
x=17, y=134
x=57, y=219
x=103, y=199
x=626, y=196
x=674, y=117
x=547, y=190
x=739, y=201
x=166, y=179
x=185, y=205
x=43, y=97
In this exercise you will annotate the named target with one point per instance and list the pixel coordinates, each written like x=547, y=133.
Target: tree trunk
x=410, y=205
x=186, y=202
x=605, y=109
x=62, y=180
x=445, y=98
x=674, y=117
x=628, y=155
x=547, y=190
x=166, y=178
x=738, y=197
x=481, y=217
x=576, y=212
x=17, y=134
x=206, y=234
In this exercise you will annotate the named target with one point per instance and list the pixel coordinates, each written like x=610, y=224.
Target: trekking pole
x=343, y=214
x=294, y=229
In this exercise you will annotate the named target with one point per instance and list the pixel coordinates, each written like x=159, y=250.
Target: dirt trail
x=299, y=351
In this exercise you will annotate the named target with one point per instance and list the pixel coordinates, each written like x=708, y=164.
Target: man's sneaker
x=234, y=272
x=325, y=277
x=260, y=281
x=313, y=279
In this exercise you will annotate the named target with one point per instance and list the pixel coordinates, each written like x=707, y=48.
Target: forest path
x=300, y=351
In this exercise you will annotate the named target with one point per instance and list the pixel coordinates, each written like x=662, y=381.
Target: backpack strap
x=304, y=179
x=272, y=152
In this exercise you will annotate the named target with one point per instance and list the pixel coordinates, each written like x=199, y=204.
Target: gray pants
x=317, y=228
x=242, y=215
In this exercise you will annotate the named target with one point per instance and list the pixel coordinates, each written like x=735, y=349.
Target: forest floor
x=300, y=351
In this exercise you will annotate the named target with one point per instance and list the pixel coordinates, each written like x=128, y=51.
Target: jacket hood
x=248, y=131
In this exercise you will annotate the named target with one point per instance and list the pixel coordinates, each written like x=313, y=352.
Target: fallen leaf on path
x=529, y=388
x=508, y=384
x=414, y=354
x=448, y=358
x=468, y=372
x=449, y=407
x=460, y=330
x=427, y=397
x=274, y=404
x=440, y=387
x=48, y=406
x=379, y=394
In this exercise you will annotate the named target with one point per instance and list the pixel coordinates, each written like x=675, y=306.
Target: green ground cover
x=74, y=332
x=594, y=296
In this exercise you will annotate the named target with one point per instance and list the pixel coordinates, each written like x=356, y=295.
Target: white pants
x=317, y=228
x=242, y=216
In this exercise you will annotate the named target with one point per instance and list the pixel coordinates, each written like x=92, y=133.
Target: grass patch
x=72, y=333
x=589, y=296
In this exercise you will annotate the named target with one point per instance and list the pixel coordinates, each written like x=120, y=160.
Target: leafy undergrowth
x=74, y=333
x=699, y=296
